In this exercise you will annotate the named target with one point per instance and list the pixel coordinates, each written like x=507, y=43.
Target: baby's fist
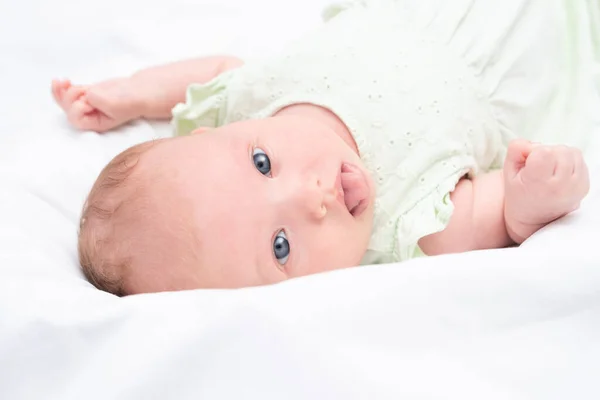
x=542, y=183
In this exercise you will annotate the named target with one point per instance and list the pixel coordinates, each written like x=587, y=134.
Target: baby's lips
x=356, y=189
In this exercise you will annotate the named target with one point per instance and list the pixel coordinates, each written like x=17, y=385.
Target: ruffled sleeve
x=432, y=213
x=205, y=105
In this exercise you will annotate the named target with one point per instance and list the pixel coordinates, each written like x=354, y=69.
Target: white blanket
x=504, y=324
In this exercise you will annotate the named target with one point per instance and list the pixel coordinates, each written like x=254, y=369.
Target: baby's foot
x=542, y=184
x=97, y=107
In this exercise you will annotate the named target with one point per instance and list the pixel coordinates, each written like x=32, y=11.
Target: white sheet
x=519, y=324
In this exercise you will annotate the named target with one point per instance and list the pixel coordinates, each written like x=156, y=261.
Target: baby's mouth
x=355, y=189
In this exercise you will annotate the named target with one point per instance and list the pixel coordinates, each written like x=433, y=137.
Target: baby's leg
x=538, y=185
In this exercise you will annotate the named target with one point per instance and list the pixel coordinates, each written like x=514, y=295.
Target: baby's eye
x=281, y=247
x=262, y=162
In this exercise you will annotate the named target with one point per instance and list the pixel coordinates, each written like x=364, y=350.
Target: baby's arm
x=477, y=221
x=538, y=185
x=164, y=86
x=150, y=93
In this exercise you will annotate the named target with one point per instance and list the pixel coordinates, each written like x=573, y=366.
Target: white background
x=519, y=324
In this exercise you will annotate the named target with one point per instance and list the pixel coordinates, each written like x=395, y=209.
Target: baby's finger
x=85, y=106
x=73, y=94
x=565, y=162
x=540, y=163
x=58, y=90
x=90, y=122
x=97, y=97
x=97, y=121
x=55, y=91
x=78, y=111
x=518, y=151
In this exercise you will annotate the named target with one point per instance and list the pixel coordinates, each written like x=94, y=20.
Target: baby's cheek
x=348, y=247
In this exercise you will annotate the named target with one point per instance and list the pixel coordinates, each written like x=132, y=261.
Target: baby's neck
x=323, y=116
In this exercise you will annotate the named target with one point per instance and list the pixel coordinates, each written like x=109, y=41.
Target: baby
x=343, y=150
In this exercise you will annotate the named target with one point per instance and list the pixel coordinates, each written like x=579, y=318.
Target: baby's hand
x=542, y=183
x=98, y=107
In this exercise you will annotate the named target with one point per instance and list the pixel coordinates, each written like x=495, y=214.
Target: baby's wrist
x=150, y=99
x=514, y=236
x=517, y=230
x=139, y=101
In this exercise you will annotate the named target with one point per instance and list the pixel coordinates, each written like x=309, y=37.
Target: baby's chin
x=348, y=261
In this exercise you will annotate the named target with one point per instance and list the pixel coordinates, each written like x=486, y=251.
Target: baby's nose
x=311, y=199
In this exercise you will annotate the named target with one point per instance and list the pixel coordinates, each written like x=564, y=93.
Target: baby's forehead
x=186, y=175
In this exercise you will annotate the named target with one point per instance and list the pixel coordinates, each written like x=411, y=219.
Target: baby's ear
x=202, y=129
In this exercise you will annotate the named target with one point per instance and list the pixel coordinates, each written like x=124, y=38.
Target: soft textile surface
x=519, y=324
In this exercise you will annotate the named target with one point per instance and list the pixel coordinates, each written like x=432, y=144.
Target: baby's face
x=266, y=200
